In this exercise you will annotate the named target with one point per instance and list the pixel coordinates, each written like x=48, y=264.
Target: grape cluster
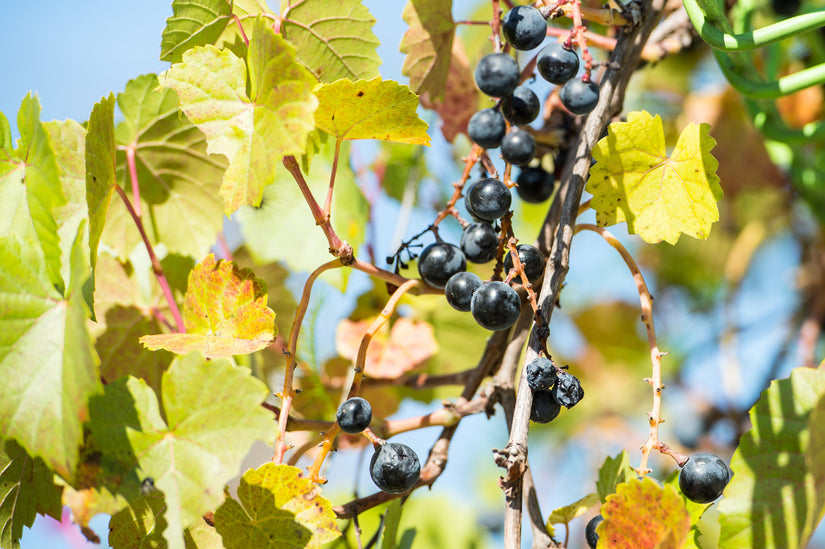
x=552, y=388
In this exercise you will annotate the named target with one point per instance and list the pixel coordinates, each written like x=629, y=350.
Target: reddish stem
x=240, y=29
x=132, y=165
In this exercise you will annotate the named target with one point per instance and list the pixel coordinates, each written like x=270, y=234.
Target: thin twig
x=328, y=203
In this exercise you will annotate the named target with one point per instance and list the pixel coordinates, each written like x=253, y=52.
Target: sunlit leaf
x=333, y=39
x=659, y=196
x=428, y=44
x=613, y=472
x=563, y=515
x=772, y=499
x=193, y=23
x=100, y=168
x=140, y=524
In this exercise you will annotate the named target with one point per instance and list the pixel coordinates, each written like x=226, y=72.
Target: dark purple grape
x=541, y=374
x=495, y=306
x=518, y=148
x=479, y=242
x=487, y=128
x=535, y=185
x=488, y=199
x=497, y=74
x=557, y=64
x=524, y=27
x=568, y=390
x=590, y=534
x=354, y=415
x=579, y=97
x=522, y=107
x=704, y=477
x=395, y=468
x=459, y=290
x=438, y=262
x=531, y=258
x=545, y=408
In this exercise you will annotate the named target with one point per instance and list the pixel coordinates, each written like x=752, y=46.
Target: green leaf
x=178, y=181
x=14, y=208
x=428, y=44
x=658, y=196
x=46, y=357
x=224, y=311
x=193, y=23
x=139, y=525
x=254, y=132
x=26, y=489
x=643, y=515
x=5, y=133
x=42, y=178
x=100, y=168
x=334, y=39
x=563, y=515
x=278, y=508
x=815, y=458
x=772, y=500
x=206, y=404
x=370, y=109
x=614, y=471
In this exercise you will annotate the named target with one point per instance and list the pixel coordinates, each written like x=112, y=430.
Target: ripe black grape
x=354, y=415
x=535, y=185
x=497, y=74
x=541, y=374
x=479, y=242
x=522, y=107
x=579, y=97
x=487, y=128
x=524, y=27
x=488, y=199
x=459, y=290
x=545, y=408
x=495, y=306
x=518, y=148
x=704, y=477
x=438, y=262
x=531, y=258
x=395, y=468
x=557, y=64
x=590, y=534
x=568, y=390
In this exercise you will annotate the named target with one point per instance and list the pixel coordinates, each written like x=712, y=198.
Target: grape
x=479, y=242
x=531, y=258
x=522, y=107
x=518, y=147
x=568, y=390
x=579, y=97
x=535, y=185
x=487, y=128
x=354, y=415
x=703, y=477
x=440, y=261
x=557, y=64
x=459, y=290
x=497, y=74
x=590, y=534
x=395, y=468
x=488, y=199
x=524, y=27
x=541, y=374
x=495, y=306
x=545, y=408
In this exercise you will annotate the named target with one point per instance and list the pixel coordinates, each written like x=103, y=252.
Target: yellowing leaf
x=428, y=44
x=643, y=515
x=224, y=311
x=278, y=509
x=658, y=196
x=253, y=131
x=563, y=515
x=370, y=109
x=193, y=23
x=409, y=344
x=100, y=168
x=460, y=98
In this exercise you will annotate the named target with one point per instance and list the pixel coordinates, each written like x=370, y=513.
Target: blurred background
x=733, y=312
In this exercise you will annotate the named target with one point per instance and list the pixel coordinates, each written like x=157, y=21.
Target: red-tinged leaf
x=224, y=311
x=641, y=515
x=409, y=344
x=460, y=98
x=428, y=44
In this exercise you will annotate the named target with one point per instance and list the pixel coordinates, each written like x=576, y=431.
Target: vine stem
x=156, y=266
x=360, y=362
x=328, y=203
x=133, y=177
x=496, y=25
x=240, y=29
x=646, y=302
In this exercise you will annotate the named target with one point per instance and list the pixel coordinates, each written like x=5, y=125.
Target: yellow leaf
x=370, y=109
x=428, y=44
x=563, y=515
x=658, y=196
